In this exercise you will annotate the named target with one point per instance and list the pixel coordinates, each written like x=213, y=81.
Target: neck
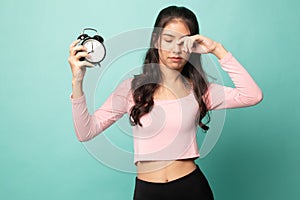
x=170, y=76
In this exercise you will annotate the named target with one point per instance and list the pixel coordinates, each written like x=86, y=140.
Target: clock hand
x=92, y=49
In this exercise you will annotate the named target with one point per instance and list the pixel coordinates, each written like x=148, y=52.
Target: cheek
x=165, y=47
x=185, y=56
x=163, y=54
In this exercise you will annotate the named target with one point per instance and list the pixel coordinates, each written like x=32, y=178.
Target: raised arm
x=88, y=126
x=245, y=93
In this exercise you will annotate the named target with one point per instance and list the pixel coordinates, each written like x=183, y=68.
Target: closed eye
x=169, y=41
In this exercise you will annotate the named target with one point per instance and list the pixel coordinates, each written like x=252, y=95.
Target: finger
x=86, y=64
x=199, y=39
x=74, y=43
x=81, y=54
x=75, y=50
x=191, y=44
x=185, y=46
x=183, y=42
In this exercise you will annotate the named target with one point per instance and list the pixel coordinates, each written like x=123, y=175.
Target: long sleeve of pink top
x=245, y=93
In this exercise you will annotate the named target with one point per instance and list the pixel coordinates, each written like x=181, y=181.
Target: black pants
x=189, y=187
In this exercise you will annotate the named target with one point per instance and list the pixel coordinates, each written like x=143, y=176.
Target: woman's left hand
x=198, y=44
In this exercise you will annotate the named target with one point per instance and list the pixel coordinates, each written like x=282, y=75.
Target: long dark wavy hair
x=145, y=84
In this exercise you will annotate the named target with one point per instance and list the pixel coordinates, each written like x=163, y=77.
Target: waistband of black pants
x=195, y=171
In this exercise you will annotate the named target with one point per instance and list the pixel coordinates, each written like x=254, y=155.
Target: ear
x=155, y=40
x=155, y=44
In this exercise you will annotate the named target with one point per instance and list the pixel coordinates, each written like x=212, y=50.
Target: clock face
x=95, y=49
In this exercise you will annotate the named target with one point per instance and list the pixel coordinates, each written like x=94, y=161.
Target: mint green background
x=257, y=155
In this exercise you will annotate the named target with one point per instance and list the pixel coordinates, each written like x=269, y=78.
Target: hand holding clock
x=78, y=67
x=85, y=52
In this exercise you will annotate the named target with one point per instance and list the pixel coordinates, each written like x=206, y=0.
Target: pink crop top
x=169, y=130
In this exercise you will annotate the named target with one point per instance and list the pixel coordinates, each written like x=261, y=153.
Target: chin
x=176, y=66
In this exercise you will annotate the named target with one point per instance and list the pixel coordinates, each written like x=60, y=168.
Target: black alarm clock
x=94, y=45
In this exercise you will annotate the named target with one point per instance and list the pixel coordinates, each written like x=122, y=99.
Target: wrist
x=76, y=81
x=76, y=89
x=219, y=51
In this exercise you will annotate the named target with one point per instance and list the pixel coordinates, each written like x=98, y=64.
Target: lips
x=176, y=59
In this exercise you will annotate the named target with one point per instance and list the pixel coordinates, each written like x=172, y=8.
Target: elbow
x=257, y=97
x=81, y=134
x=260, y=96
x=85, y=137
x=82, y=139
x=87, y=133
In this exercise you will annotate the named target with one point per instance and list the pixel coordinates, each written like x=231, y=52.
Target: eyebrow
x=170, y=35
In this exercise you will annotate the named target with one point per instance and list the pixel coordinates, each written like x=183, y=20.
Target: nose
x=177, y=48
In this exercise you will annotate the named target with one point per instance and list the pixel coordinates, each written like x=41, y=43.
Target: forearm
x=245, y=93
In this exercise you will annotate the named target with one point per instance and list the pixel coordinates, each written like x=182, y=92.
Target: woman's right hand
x=78, y=67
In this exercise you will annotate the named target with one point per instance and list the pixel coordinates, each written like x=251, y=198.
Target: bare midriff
x=164, y=171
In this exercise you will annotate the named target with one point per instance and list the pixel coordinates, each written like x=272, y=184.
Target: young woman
x=165, y=104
